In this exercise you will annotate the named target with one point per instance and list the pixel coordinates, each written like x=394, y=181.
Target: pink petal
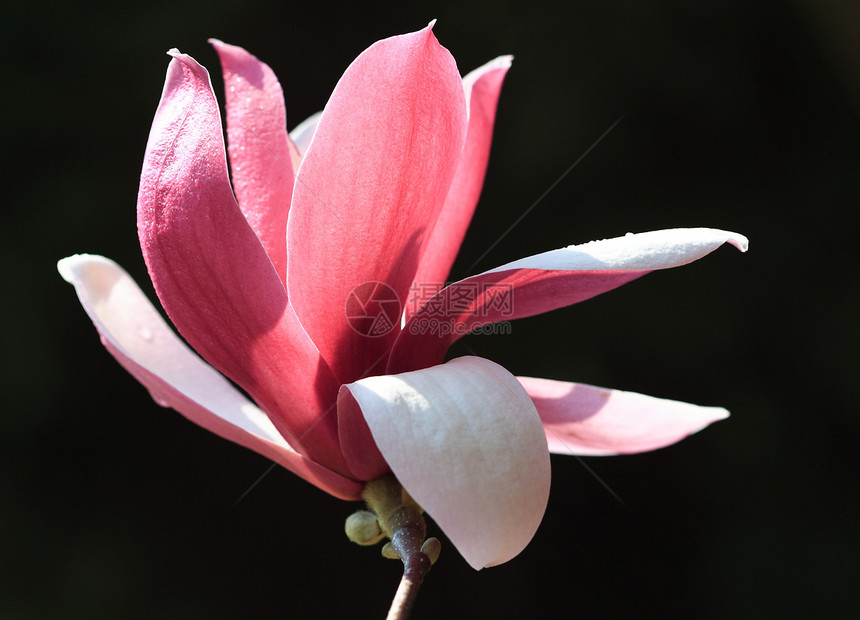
x=465, y=441
x=544, y=282
x=136, y=335
x=586, y=420
x=214, y=277
x=482, y=87
x=370, y=187
x=260, y=150
x=362, y=455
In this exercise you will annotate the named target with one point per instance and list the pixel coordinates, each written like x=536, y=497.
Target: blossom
x=257, y=267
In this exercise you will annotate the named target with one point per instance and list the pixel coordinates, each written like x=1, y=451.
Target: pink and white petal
x=360, y=451
x=303, y=133
x=370, y=187
x=465, y=441
x=593, y=421
x=482, y=87
x=259, y=148
x=136, y=335
x=213, y=276
x=545, y=282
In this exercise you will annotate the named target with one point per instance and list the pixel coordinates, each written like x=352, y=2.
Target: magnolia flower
x=266, y=278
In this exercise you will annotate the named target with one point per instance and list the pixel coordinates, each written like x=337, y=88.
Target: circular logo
x=373, y=309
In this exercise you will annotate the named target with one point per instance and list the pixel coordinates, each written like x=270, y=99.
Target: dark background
x=737, y=115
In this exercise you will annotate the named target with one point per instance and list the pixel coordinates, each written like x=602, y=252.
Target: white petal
x=466, y=442
x=129, y=321
x=303, y=133
x=134, y=332
x=660, y=249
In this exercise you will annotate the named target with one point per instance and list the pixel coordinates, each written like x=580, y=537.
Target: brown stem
x=407, y=535
x=406, y=541
x=401, y=520
x=404, y=599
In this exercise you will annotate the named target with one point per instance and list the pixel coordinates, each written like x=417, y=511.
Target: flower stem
x=406, y=542
x=404, y=599
x=402, y=521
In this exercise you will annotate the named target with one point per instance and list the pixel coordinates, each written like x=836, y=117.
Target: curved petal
x=482, y=87
x=260, y=150
x=136, y=335
x=370, y=187
x=593, y=421
x=213, y=276
x=362, y=455
x=544, y=282
x=465, y=441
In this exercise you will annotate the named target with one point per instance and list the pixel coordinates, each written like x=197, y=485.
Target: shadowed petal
x=482, y=87
x=213, y=276
x=586, y=420
x=370, y=187
x=261, y=158
x=465, y=441
x=136, y=335
x=544, y=282
x=356, y=441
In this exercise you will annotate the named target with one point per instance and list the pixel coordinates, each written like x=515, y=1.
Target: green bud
x=431, y=548
x=389, y=552
x=362, y=528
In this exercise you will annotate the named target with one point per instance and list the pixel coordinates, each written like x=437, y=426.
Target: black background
x=736, y=115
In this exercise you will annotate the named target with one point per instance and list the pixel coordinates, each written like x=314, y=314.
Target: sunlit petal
x=465, y=441
x=544, y=282
x=370, y=187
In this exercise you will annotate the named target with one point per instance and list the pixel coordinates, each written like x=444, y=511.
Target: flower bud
x=363, y=528
x=389, y=552
x=431, y=549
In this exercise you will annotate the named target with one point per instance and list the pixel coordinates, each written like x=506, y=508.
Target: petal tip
x=739, y=241
x=70, y=266
x=221, y=47
x=718, y=414
x=186, y=60
x=66, y=266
